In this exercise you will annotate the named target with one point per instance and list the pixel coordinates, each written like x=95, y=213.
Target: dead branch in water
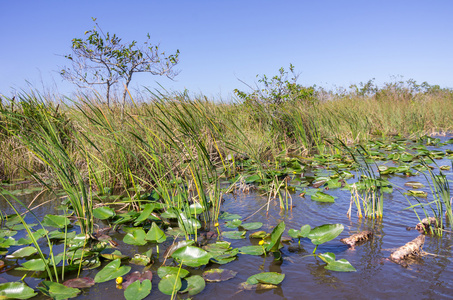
x=357, y=238
x=428, y=224
x=411, y=249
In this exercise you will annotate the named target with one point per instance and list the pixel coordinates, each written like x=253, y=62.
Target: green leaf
x=59, y=235
x=341, y=265
x=196, y=208
x=23, y=252
x=266, y=278
x=112, y=254
x=135, y=236
x=170, y=283
x=233, y=224
x=324, y=233
x=155, y=234
x=138, y=290
x=140, y=259
x=146, y=212
x=58, y=291
x=252, y=250
x=192, y=256
x=414, y=184
x=322, y=197
x=258, y=235
x=190, y=225
x=103, y=212
x=327, y=257
x=228, y=216
x=55, y=221
x=252, y=225
x=111, y=271
x=234, y=235
x=276, y=236
x=164, y=271
x=33, y=265
x=195, y=284
x=16, y=290
x=217, y=275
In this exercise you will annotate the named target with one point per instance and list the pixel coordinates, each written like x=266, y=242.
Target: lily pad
x=302, y=233
x=266, y=278
x=103, y=212
x=258, y=235
x=170, y=283
x=140, y=259
x=252, y=225
x=146, y=212
x=112, y=254
x=195, y=284
x=164, y=271
x=58, y=291
x=233, y=223
x=196, y=208
x=234, y=235
x=155, y=234
x=322, y=197
x=137, y=276
x=252, y=250
x=111, y=271
x=414, y=184
x=217, y=275
x=138, y=290
x=135, y=236
x=341, y=265
x=23, y=252
x=83, y=282
x=55, y=221
x=416, y=193
x=275, y=238
x=324, y=233
x=16, y=290
x=192, y=256
x=228, y=216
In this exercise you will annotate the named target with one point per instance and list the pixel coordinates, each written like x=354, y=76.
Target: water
x=430, y=277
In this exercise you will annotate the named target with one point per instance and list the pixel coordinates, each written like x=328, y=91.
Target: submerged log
x=411, y=249
x=426, y=224
x=357, y=238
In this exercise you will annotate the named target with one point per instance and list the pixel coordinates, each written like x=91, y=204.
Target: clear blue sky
x=331, y=43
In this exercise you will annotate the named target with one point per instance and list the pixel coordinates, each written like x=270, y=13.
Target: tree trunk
x=128, y=80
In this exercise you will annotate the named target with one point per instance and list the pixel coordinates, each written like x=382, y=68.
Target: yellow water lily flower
x=119, y=280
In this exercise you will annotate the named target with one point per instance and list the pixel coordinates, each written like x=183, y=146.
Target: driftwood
x=411, y=249
x=426, y=223
x=357, y=238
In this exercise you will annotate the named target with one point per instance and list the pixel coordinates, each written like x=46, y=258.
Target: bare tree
x=101, y=59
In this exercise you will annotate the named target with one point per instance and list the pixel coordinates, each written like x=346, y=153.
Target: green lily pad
x=252, y=250
x=327, y=257
x=252, y=225
x=22, y=252
x=16, y=290
x=228, y=216
x=140, y=259
x=60, y=235
x=324, y=233
x=58, y=291
x=258, y=235
x=170, y=283
x=416, y=193
x=266, y=278
x=196, y=208
x=103, y=212
x=217, y=247
x=302, y=233
x=112, y=254
x=341, y=265
x=111, y=271
x=234, y=235
x=233, y=223
x=144, y=215
x=135, y=236
x=217, y=275
x=195, y=284
x=138, y=290
x=55, y=221
x=275, y=238
x=155, y=234
x=164, y=271
x=33, y=265
x=192, y=256
x=322, y=197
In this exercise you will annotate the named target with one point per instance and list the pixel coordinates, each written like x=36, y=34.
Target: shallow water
x=431, y=277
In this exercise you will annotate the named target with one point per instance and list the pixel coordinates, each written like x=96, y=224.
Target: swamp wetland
x=183, y=197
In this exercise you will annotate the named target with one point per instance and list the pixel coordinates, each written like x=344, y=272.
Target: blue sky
x=331, y=43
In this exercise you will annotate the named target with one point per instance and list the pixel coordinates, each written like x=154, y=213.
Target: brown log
x=426, y=223
x=357, y=238
x=411, y=249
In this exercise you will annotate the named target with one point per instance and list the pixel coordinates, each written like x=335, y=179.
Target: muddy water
x=431, y=277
